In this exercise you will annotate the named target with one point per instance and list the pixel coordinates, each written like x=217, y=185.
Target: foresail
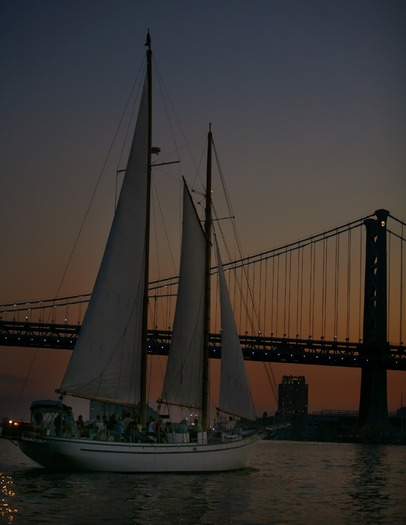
x=105, y=361
x=235, y=394
x=183, y=380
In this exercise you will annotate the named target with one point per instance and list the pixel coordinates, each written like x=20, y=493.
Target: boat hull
x=92, y=455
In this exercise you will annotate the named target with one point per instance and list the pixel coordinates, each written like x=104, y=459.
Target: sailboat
x=108, y=363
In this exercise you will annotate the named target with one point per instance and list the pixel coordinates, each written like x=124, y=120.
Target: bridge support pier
x=373, y=407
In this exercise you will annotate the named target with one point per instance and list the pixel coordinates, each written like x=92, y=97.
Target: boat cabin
x=51, y=418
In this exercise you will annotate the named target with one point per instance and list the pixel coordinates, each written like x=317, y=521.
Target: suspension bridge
x=336, y=298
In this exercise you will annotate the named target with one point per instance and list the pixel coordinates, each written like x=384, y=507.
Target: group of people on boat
x=127, y=427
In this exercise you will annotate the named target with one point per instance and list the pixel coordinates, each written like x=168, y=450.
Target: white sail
x=183, y=380
x=105, y=361
x=235, y=395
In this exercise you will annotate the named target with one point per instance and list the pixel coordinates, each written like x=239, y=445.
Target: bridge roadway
x=255, y=348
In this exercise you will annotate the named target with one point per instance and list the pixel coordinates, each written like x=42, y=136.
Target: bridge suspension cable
x=311, y=288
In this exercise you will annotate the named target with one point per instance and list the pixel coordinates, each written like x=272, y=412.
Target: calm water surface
x=288, y=482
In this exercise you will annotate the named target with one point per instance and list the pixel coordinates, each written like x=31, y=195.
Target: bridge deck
x=255, y=348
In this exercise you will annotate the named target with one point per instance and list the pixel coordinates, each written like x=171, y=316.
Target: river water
x=288, y=482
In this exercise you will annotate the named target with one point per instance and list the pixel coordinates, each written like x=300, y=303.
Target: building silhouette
x=293, y=405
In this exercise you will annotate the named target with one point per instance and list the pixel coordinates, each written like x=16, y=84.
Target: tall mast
x=143, y=393
x=207, y=229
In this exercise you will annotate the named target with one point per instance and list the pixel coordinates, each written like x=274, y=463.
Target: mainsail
x=183, y=379
x=105, y=361
x=235, y=395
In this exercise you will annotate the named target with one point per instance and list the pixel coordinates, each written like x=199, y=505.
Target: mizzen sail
x=235, y=394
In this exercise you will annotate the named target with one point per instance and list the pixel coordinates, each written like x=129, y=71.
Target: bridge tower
x=373, y=407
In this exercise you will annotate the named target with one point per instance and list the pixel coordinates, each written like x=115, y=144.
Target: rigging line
x=166, y=97
x=157, y=250
x=80, y=316
x=156, y=195
x=163, y=89
x=27, y=376
x=254, y=311
x=271, y=379
x=130, y=120
x=96, y=187
x=236, y=237
x=245, y=270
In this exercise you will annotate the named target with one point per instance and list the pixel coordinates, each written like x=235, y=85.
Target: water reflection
x=369, y=486
x=7, y=507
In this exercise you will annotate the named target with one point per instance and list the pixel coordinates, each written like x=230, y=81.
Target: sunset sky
x=307, y=100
